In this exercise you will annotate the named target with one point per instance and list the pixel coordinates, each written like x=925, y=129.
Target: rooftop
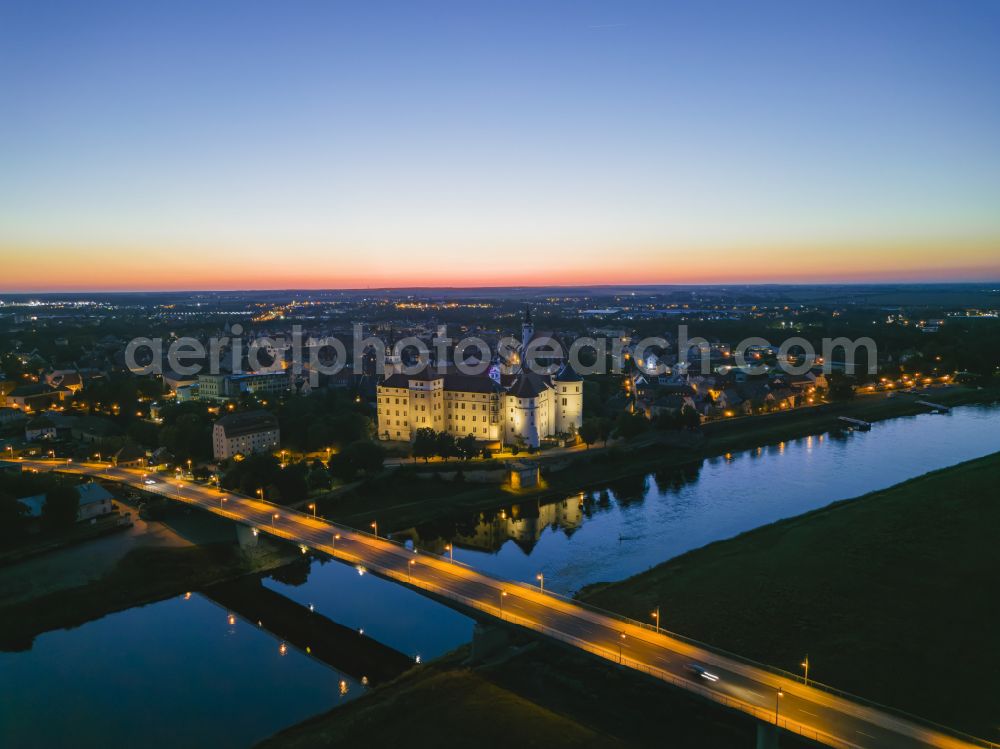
x=247, y=422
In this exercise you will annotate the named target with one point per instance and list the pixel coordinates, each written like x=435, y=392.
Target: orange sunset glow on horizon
x=207, y=269
x=341, y=147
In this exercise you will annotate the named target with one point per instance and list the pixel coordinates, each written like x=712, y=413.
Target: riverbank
x=540, y=695
x=142, y=575
x=399, y=500
x=891, y=595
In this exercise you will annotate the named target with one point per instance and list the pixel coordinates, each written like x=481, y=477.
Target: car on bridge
x=696, y=669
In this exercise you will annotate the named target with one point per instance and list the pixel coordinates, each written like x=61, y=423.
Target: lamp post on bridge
x=541, y=581
x=334, y=543
x=375, y=528
x=409, y=570
x=503, y=594
x=656, y=619
x=312, y=506
x=273, y=518
x=451, y=552
x=777, y=702
x=621, y=643
x=805, y=666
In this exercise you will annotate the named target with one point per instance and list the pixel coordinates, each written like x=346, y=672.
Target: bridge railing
x=767, y=716
x=787, y=675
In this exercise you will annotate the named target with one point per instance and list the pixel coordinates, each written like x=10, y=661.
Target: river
x=187, y=672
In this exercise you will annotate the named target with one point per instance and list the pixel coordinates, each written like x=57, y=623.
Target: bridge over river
x=773, y=697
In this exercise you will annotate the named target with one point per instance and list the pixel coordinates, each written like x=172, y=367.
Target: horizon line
x=645, y=286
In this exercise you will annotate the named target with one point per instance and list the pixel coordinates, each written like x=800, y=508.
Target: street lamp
x=541, y=581
x=260, y=492
x=777, y=702
x=451, y=552
x=375, y=528
x=805, y=665
x=312, y=506
x=656, y=619
x=273, y=518
x=221, y=500
x=621, y=642
x=503, y=594
x=334, y=544
x=409, y=570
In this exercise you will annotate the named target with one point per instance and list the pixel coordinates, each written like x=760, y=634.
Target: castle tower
x=568, y=400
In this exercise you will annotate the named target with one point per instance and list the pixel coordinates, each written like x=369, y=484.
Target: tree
x=62, y=503
x=590, y=431
x=361, y=456
x=606, y=428
x=466, y=447
x=291, y=484
x=187, y=432
x=341, y=467
x=631, y=425
x=689, y=418
x=841, y=387
x=11, y=516
x=318, y=478
x=444, y=445
x=365, y=456
x=424, y=444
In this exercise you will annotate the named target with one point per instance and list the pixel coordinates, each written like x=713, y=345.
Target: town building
x=40, y=428
x=245, y=433
x=223, y=386
x=95, y=502
x=130, y=456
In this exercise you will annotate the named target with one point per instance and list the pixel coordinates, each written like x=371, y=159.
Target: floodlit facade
x=525, y=406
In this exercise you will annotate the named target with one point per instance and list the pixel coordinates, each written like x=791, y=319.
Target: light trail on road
x=833, y=719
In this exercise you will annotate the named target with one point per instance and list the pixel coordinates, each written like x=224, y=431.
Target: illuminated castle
x=493, y=406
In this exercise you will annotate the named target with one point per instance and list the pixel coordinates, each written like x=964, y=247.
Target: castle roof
x=528, y=385
x=566, y=373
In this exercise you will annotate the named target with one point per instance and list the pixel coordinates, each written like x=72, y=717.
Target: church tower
x=527, y=328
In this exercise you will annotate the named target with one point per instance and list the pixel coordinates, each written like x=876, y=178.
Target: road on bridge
x=833, y=719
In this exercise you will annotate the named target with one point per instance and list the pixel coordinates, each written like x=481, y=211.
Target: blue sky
x=574, y=137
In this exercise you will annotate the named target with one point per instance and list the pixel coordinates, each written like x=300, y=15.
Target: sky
x=334, y=144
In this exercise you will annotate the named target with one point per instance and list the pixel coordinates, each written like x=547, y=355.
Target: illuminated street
x=830, y=719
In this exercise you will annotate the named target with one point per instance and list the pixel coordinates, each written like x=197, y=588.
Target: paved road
x=831, y=719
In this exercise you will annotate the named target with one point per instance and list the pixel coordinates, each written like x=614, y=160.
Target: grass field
x=893, y=596
x=542, y=696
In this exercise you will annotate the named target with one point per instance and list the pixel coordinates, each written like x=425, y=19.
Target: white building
x=245, y=433
x=525, y=406
x=95, y=502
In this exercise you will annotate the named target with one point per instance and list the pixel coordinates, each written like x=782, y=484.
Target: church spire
x=527, y=328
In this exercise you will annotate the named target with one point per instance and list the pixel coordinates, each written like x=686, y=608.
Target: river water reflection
x=636, y=523
x=183, y=673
